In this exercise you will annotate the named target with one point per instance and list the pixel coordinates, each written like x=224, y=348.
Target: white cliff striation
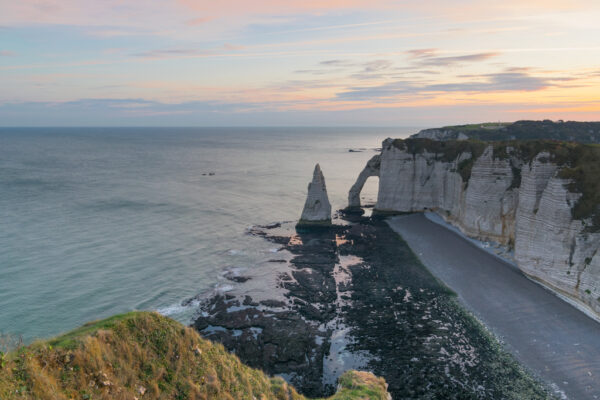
x=317, y=209
x=513, y=198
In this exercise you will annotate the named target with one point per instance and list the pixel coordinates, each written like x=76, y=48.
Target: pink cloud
x=233, y=47
x=278, y=7
x=198, y=21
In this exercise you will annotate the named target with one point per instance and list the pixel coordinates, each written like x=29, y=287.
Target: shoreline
x=489, y=246
x=357, y=296
x=547, y=335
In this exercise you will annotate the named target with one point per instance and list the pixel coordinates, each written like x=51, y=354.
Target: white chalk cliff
x=371, y=169
x=518, y=202
x=317, y=209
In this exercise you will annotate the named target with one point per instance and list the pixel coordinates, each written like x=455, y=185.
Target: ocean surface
x=98, y=221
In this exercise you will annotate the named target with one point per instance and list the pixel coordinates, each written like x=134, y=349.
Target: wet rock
x=357, y=297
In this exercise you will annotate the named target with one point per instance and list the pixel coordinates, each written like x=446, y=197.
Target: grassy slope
x=147, y=356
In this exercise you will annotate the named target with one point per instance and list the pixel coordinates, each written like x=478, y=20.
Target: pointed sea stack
x=317, y=209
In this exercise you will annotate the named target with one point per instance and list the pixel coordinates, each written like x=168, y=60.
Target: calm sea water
x=97, y=221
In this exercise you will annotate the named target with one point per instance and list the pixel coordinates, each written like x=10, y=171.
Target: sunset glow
x=275, y=62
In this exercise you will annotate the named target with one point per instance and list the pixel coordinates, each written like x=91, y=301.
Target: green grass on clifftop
x=142, y=355
x=574, y=131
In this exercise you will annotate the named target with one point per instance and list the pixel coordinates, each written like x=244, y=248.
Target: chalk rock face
x=317, y=209
x=439, y=134
x=371, y=169
x=490, y=202
x=550, y=246
x=521, y=203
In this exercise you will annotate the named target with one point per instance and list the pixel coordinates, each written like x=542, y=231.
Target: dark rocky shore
x=355, y=296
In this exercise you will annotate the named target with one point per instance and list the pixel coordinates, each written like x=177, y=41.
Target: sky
x=297, y=62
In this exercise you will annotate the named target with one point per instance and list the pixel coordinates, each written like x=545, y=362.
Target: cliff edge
x=539, y=198
x=142, y=355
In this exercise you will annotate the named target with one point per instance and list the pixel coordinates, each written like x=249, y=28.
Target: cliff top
x=573, y=131
x=144, y=355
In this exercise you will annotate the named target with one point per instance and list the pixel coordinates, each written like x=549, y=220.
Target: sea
x=100, y=221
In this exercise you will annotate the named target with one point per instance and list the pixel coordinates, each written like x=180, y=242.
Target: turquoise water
x=97, y=221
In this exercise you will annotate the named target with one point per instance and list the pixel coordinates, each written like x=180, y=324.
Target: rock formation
x=440, y=134
x=499, y=192
x=317, y=209
x=371, y=169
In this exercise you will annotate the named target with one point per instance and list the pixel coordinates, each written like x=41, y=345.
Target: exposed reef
x=538, y=198
x=356, y=297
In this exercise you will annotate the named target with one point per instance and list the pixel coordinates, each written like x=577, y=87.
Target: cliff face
x=512, y=195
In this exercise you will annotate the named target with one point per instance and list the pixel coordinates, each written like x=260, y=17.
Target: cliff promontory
x=539, y=198
x=572, y=131
x=143, y=355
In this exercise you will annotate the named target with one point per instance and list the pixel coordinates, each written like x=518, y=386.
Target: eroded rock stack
x=317, y=209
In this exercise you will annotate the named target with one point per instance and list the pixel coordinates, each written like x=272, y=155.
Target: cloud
x=278, y=7
x=337, y=63
x=499, y=82
x=112, y=33
x=429, y=57
x=233, y=47
x=419, y=53
x=318, y=71
x=505, y=81
x=377, y=65
x=171, y=53
x=198, y=21
x=445, y=61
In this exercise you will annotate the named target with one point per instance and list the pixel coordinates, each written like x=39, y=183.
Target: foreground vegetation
x=142, y=355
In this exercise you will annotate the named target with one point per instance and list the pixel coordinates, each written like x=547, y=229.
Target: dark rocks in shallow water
x=280, y=343
x=357, y=297
x=237, y=278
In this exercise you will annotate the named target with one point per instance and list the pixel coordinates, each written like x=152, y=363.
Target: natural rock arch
x=371, y=169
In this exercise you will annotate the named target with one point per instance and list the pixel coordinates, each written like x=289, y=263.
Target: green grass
x=574, y=131
x=145, y=354
x=476, y=127
x=71, y=339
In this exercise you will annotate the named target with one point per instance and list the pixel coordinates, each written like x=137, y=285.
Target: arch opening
x=371, y=169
